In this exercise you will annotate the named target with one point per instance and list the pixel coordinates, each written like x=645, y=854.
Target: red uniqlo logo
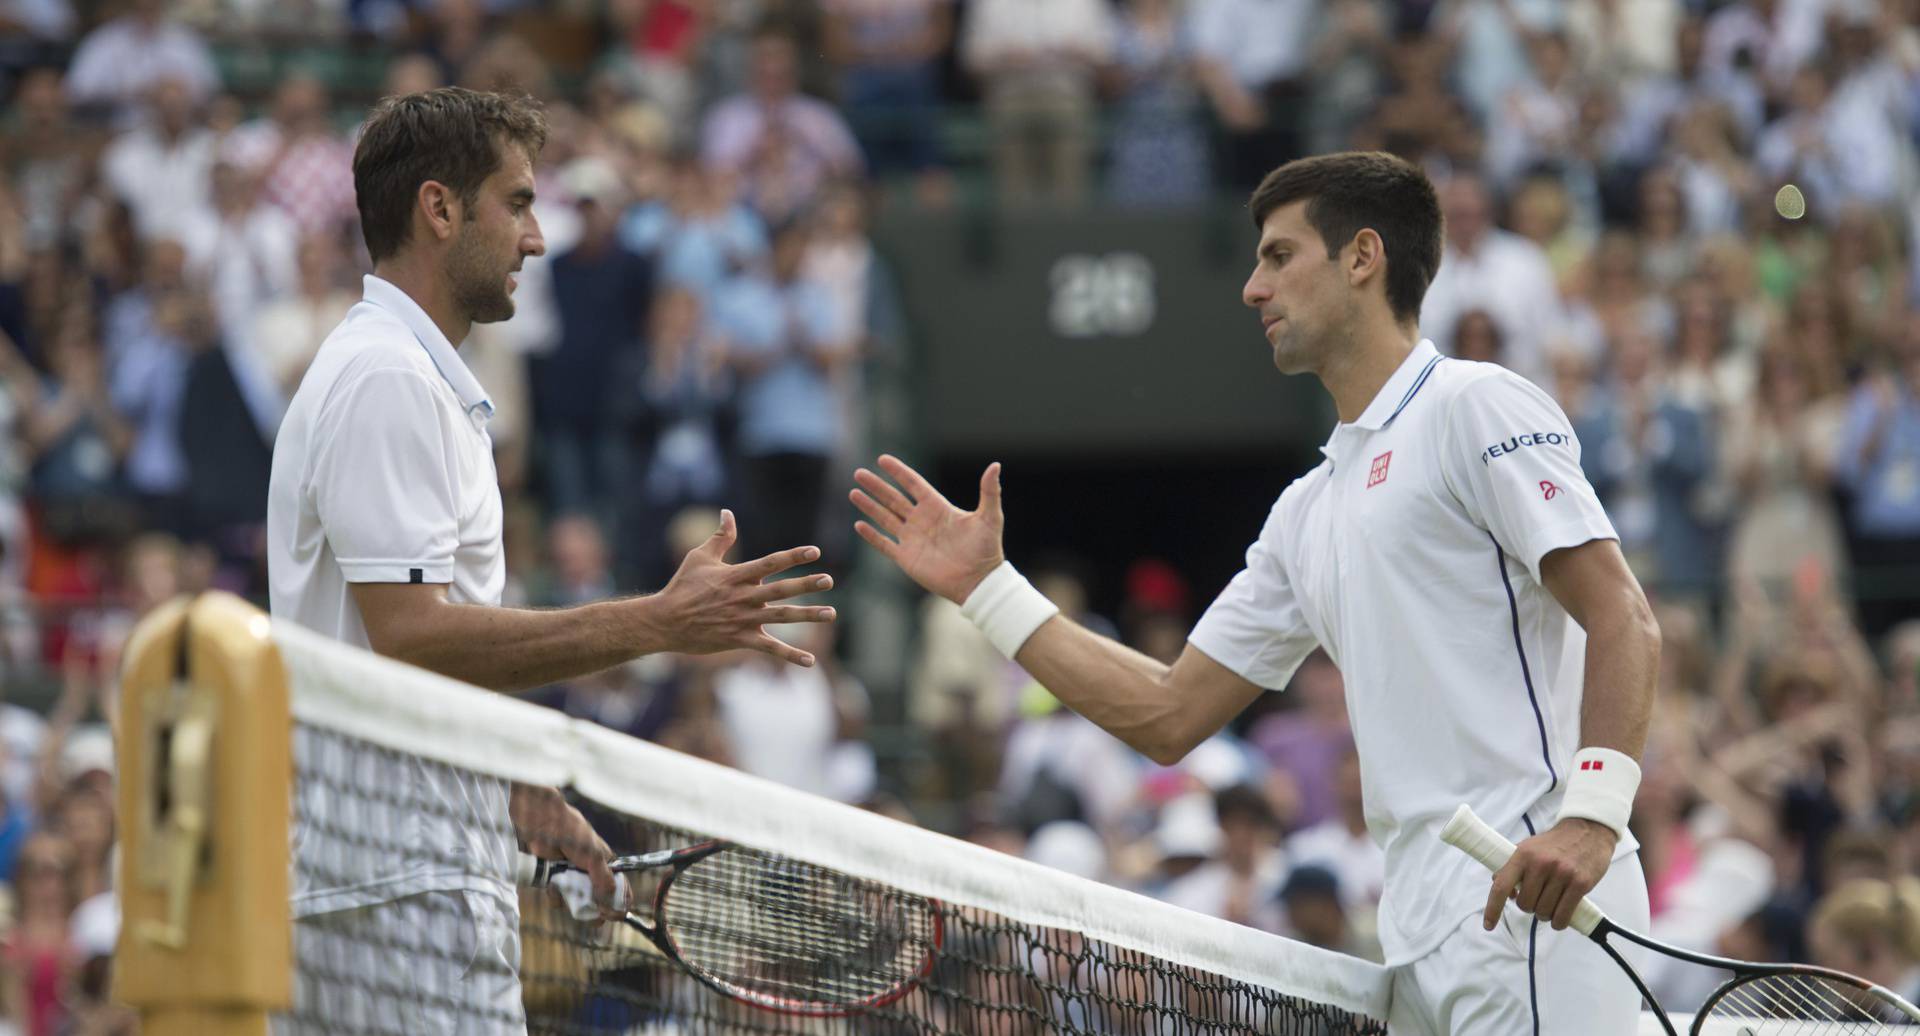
x=1379, y=472
x=1593, y=764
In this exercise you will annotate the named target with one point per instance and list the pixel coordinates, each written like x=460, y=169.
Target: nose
x=533, y=242
x=1255, y=293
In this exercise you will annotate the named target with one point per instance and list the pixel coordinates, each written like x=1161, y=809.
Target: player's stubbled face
x=499, y=232
x=1292, y=288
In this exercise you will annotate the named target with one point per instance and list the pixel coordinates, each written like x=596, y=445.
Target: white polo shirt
x=1412, y=554
x=383, y=473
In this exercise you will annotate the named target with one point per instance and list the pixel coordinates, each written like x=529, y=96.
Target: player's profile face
x=497, y=234
x=1291, y=288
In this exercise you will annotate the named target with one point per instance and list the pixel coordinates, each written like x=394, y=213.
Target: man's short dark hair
x=1353, y=190
x=452, y=136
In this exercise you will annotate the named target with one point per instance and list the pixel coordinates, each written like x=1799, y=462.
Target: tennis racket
x=777, y=933
x=1760, y=999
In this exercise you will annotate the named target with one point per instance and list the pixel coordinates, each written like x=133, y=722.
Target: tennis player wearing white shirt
x=1451, y=558
x=384, y=530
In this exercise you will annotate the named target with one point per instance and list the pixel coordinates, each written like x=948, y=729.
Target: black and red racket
x=771, y=931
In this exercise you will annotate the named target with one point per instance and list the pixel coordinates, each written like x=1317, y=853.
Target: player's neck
x=1356, y=374
x=430, y=292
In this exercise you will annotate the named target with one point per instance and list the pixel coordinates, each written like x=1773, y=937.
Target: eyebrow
x=524, y=194
x=1278, y=244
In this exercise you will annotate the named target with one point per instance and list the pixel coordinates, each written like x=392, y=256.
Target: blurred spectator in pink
x=1159, y=149
x=163, y=170
x=287, y=331
x=1254, y=58
x=38, y=950
x=1878, y=463
x=305, y=167
x=772, y=131
x=1486, y=267
x=1309, y=738
x=121, y=61
x=888, y=53
x=1036, y=62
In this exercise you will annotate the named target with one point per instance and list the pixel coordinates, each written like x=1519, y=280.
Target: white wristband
x=1007, y=608
x=1601, y=788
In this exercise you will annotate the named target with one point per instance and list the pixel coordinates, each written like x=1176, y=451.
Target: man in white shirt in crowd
x=1453, y=561
x=1485, y=267
x=384, y=528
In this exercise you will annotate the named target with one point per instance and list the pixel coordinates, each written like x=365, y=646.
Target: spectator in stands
x=1878, y=463
x=1538, y=119
x=245, y=249
x=1308, y=740
x=74, y=438
x=119, y=63
x=579, y=569
x=782, y=721
x=148, y=354
x=1778, y=467
x=1838, y=148
x=1243, y=882
x=699, y=236
x=1314, y=910
x=1485, y=267
x=1159, y=150
x=787, y=345
x=1340, y=844
x=655, y=48
x=1711, y=171
x=305, y=167
x=43, y=21
x=601, y=291
x=163, y=170
x=678, y=423
x=1650, y=104
x=1767, y=39
x=49, y=159
x=1254, y=58
x=772, y=130
x=1348, y=74
x=1036, y=63
x=38, y=950
x=888, y=53
x=287, y=332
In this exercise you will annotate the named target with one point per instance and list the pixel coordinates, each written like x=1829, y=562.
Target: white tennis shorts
x=425, y=965
x=1525, y=979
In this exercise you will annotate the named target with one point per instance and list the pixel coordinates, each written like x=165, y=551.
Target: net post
x=204, y=750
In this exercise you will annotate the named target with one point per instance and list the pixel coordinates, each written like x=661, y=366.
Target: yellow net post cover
x=204, y=749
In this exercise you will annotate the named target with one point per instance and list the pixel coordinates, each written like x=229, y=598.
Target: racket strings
x=780, y=929
x=1792, y=1004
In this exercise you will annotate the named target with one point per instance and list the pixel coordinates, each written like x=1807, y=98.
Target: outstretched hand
x=714, y=606
x=946, y=550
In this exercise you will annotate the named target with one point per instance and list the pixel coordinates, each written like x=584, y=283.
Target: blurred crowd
x=1692, y=221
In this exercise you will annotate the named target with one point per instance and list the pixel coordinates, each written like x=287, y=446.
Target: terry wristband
x=1601, y=788
x=1007, y=608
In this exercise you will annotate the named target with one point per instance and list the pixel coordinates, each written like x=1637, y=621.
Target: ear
x=1366, y=257
x=440, y=207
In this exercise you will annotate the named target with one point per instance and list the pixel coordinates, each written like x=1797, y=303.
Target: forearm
x=1121, y=690
x=1622, y=670
x=516, y=649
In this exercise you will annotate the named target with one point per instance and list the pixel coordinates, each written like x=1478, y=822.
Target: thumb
x=722, y=539
x=990, y=490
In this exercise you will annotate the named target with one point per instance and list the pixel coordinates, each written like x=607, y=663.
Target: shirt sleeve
x=1513, y=462
x=383, y=484
x=1255, y=627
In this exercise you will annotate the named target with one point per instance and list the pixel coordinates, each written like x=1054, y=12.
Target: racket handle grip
x=1471, y=835
x=530, y=871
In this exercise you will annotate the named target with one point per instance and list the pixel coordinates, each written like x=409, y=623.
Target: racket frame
x=537, y=873
x=1473, y=836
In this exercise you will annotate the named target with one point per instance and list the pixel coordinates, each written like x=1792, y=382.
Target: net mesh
x=415, y=795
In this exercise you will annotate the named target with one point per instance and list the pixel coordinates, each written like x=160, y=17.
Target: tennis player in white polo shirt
x=1452, y=559
x=384, y=526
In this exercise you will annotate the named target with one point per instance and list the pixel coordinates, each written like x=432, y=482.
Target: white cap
x=592, y=179
x=1188, y=827
x=1219, y=762
x=1071, y=846
x=95, y=925
x=88, y=748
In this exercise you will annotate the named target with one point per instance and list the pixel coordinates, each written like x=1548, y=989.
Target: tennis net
x=414, y=796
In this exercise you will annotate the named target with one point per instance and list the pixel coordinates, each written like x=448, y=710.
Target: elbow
x=1168, y=742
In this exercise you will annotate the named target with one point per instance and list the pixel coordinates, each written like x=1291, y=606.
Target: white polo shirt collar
x=446, y=358
x=1399, y=391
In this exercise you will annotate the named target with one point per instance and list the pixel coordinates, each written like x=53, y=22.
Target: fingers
x=990, y=489
x=884, y=518
x=1570, y=898
x=885, y=492
x=798, y=613
x=782, y=650
x=1504, y=882
x=887, y=548
x=780, y=561
x=909, y=479
x=606, y=891
x=722, y=539
x=786, y=588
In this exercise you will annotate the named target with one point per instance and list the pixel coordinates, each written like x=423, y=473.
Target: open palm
x=944, y=549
